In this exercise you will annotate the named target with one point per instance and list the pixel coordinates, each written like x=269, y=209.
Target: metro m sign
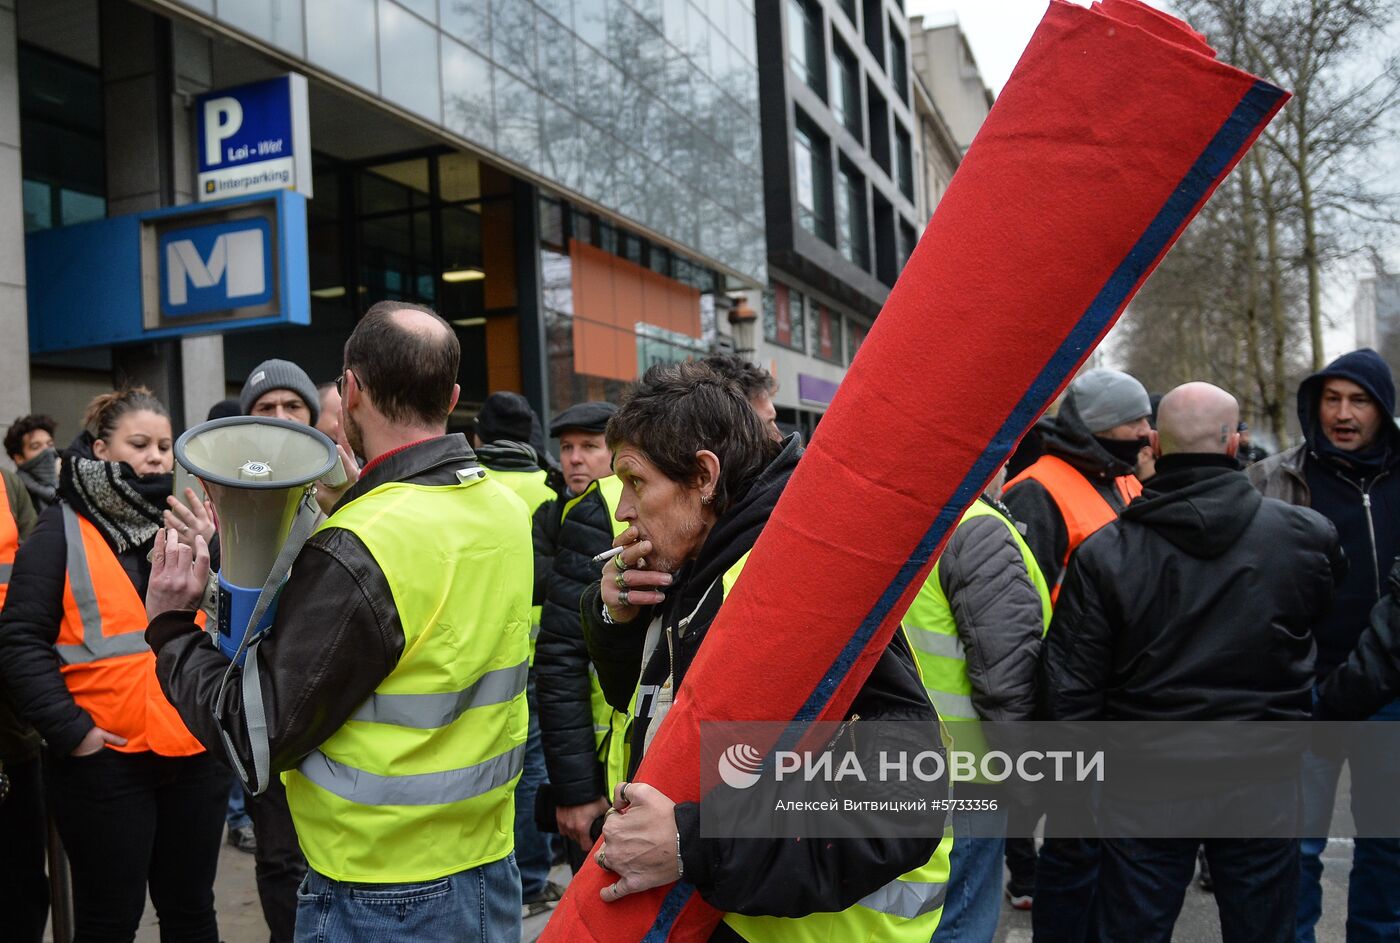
x=216, y=267
x=203, y=268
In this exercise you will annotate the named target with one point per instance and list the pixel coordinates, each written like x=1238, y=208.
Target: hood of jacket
x=1200, y=503
x=1367, y=370
x=736, y=531
x=506, y=455
x=1067, y=437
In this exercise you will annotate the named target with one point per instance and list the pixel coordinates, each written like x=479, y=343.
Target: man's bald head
x=406, y=359
x=1199, y=418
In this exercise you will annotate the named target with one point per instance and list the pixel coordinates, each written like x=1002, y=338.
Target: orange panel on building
x=611, y=297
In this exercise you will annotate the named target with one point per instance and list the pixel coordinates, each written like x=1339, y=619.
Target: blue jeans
x=531, y=846
x=973, y=904
x=1373, y=896
x=479, y=905
x=237, y=813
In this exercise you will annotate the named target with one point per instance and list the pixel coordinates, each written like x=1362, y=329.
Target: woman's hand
x=640, y=843
x=190, y=518
x=94, y=740
x=627, y=585
x=179, y=574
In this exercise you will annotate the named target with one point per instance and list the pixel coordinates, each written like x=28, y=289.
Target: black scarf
x=125, y=506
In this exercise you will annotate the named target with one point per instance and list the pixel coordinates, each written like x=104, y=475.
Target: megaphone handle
x=253, y=712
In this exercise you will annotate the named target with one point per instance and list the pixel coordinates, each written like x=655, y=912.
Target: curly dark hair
x=752, y=379
x=678, y=409
x=14, y=437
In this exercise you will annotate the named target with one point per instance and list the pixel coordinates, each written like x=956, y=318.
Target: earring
x=706, y=498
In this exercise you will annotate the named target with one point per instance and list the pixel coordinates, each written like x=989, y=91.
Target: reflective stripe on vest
x=95, y=644
x=107, y=666
x=448, y=786
x=429, y=711
x=419, y=782
x=9, y=540
x=906, y=910
x=1081, y=506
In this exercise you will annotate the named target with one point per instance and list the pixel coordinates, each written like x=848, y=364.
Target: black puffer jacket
x=784, y=877
x=1066, y=437
x=1197, y=604
x=563, y=684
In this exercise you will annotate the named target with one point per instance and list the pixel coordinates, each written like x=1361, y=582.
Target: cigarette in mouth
x=607, y=555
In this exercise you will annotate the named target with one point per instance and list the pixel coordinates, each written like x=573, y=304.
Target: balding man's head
x=1197, y=417
x=405, y=358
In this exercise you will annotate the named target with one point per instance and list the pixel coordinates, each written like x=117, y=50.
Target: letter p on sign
x=222, y=119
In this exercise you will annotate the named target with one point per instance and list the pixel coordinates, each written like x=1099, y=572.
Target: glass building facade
x=646, y=108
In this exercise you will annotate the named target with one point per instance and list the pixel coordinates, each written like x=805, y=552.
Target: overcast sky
x=998, y=31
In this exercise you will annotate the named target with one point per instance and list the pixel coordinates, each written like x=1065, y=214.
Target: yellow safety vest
x=419, y=783
x=933, y=634
x=530, y=487
x=612, y=729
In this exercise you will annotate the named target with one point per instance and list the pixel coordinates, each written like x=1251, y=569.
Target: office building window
x=845, y=87
x=63, y=160
x=874, y=28
x=826, y=334
x=855, y=336
x=903, y=161
x=907, y=240
x=851, y=225
x=784, y=320
x=879, y=126
x=899, y=68
x=812, y=166
x=805, y=36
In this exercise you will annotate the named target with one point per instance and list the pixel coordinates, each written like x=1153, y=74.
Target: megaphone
x=260, y=474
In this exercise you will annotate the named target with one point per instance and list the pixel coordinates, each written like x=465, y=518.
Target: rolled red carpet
x=1115, y=127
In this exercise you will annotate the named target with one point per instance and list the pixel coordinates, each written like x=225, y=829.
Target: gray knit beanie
x=1106, y=398
x=279, y=375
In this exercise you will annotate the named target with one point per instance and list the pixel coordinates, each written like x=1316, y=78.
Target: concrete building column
x=14, y=314
x=151, y=70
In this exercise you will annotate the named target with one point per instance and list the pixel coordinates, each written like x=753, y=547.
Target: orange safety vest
x=109, y=669
x=9, y=540
x=1084, y=510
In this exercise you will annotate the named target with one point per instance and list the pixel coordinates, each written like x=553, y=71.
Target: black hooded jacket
x=1197, y=604
x=785, y=877
x=1066, y=437
x=1359, y=492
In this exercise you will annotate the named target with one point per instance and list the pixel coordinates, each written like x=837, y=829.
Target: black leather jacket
x=336, y=636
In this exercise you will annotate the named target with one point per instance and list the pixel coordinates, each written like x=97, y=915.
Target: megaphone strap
x=254, y=714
